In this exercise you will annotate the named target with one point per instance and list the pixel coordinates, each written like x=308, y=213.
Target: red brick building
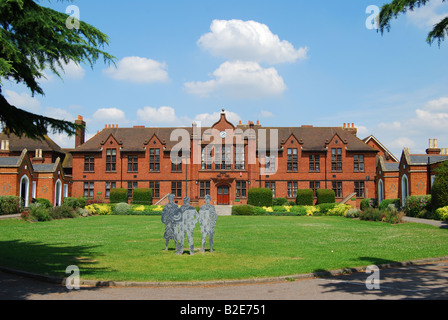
x=34, y=169
x=225, y=161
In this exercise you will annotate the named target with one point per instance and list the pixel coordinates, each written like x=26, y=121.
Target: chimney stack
x=350, y=128
x=433, y=147
x=80, y=132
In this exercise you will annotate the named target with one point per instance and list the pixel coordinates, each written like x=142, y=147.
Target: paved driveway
x=427, y=281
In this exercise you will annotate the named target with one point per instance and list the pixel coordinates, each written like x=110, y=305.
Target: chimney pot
x=345, y=125
x=435, y=143
x=431, y=143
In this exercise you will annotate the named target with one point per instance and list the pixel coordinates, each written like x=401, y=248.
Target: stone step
x=224, y=210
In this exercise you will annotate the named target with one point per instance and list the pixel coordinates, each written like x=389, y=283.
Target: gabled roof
x=385, y=150
x=388, y=166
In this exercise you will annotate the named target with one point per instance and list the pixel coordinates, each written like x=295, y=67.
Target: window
x=359, y=163
x=207, y=158
x=89, y=164
x=315, y=185
x=88, y=189
x=270, y=164
x=360, y=189
x=292, y=189
x=314, y=163
x=111, y=160
x=176, y=189
x=241, y=189
x=131, y=186
x=154, y=160
x=292, y=160
x=336, y=159
x=337, y=188
x=223, y=157
x=204, y=188
x=132, y=163
x=270, y=185
x=155, y=186
x=110, y=186
x=239, y=157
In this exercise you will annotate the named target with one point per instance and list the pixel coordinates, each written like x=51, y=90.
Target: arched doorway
x=223, y=195
x=58, y=193
x=380, y=191
x=25, y=190
x=404, y=189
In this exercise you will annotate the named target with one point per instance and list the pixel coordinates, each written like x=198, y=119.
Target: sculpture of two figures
x=181, y=222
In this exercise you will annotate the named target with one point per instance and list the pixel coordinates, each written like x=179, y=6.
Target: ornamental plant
x=417, y=206
x=442, y=214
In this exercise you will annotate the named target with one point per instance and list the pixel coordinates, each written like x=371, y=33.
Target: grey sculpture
x=172, y=219
x=189, y=220
x=207, y=219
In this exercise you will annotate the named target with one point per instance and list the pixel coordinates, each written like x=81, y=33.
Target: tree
x=34, y=38
x=439, y=190
x=393, y=9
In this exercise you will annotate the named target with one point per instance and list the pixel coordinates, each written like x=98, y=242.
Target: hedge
x=325, y=196
x=118, y=195
x=305, y=197
x=74, y=202
x=439, y=194
x=142, y=196
x=10, y=205
x=260, y=197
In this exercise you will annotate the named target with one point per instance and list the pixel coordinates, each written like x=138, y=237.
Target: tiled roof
x=391, y=166
x=311, y=138
x=423, y=159
x=17, y=144
x=9, y=161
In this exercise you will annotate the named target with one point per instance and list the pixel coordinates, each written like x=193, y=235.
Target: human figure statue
x=189, y=220
x=207, y=219
x=171, y=217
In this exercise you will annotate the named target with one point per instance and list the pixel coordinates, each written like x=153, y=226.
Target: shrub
x=305, y=197
x=383, y=206
x=338, y=210
x=118, y=195
x=325, y=196
x=370, y=214
x=10, y=205
x=260, y=197
x=312, y=211
x=43, y=202
x=74, y=202
x=142, y=196
x=62, y=212
x=279, y=202
x=352, y=213
x=121, y=209
x=298, y=210
x=259, y=211
x=392, y=215
x=368, y=203
x=442, y=214
x=100, y=209
x=279, y=209
x=417, y=206
x=39, y=213
x=243, y=210
x=325, y=207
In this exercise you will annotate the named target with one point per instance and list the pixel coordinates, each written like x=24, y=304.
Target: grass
x=131, y=248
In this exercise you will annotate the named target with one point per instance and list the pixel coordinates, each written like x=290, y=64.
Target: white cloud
x=240, y=80
x=110, y=116
x=72, y=70
x=160, y=115
x=209, y=119
x=248, y=41
x=428, y=15
x=23, y=101
x=138, y=70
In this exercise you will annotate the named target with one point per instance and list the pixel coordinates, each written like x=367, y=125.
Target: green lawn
x=131, y=248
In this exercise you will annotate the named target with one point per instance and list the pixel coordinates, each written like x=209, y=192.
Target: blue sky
x=284, y=63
